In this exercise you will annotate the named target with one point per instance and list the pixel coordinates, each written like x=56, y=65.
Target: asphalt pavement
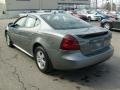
x=19, y=72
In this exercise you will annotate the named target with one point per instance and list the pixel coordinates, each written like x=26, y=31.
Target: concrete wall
x=16, y=5
x=49, y=4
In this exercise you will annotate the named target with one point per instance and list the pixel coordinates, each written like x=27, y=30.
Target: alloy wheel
x=107, y=26
x=41, y=60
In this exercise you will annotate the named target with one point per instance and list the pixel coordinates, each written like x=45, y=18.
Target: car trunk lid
x=91, y=40
x=95, y=42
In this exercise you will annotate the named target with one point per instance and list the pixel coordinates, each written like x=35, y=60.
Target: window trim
x=26, y=21
x=35, y=22
x=19, y=19
x=28, y=16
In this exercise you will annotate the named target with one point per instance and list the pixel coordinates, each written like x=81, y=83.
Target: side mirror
x=13, y=25
x=10, y=24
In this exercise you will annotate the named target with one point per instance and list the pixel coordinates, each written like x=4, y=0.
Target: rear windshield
x=64, y=21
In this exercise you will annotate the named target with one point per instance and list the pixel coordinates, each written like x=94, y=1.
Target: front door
x=17, y=29
x=27, y=34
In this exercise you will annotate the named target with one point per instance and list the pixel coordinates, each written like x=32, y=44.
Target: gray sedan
x=59, y=41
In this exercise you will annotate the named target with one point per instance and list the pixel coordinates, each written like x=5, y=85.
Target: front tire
x=42, y=60
x=100, y=19
x=8, y=40
x=107, y=26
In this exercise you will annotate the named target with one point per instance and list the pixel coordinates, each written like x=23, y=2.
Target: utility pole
x=111, y=5
x=117, y=5
x=102, y=4
x=96, y=4
x=90, y=3
x=39, y=3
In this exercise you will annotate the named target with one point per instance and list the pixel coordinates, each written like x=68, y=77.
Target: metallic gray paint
x=51, y=39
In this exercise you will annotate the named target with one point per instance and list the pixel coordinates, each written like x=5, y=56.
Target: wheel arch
x=35, y=45
x=108, y=23
x=89, y=17
x=6, y=32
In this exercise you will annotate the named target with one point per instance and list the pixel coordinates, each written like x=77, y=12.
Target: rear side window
x=30, y=22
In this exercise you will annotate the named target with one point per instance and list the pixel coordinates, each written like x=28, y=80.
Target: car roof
x=42, y=12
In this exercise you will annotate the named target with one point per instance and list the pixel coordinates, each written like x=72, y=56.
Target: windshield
x=64, y=21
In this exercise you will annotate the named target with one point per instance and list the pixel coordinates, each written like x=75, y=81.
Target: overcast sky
x=2, y=1
x=103, y=1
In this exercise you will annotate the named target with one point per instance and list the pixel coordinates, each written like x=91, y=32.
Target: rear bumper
x=78, y=60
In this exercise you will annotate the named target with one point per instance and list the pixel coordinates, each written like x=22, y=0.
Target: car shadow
x=115, y=30
x=105, y=75
x=97, y=76
x=82, y=76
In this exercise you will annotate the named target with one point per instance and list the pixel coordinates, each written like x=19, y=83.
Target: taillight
x=69, y=43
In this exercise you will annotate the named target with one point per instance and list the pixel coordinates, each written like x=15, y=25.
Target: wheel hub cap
x=41, y=59
x=107, y=26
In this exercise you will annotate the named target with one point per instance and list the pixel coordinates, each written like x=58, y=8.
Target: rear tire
x=42, y=60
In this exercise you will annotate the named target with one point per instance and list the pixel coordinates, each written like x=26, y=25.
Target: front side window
x=20, y=22
x=64, y=21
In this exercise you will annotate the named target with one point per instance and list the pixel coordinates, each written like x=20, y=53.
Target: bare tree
x=96, y=4
x=108, y=7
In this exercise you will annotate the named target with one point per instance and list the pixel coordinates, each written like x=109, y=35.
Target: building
x=42, y=4
x=13, y=7
x=2, y=8
x=63, y=4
